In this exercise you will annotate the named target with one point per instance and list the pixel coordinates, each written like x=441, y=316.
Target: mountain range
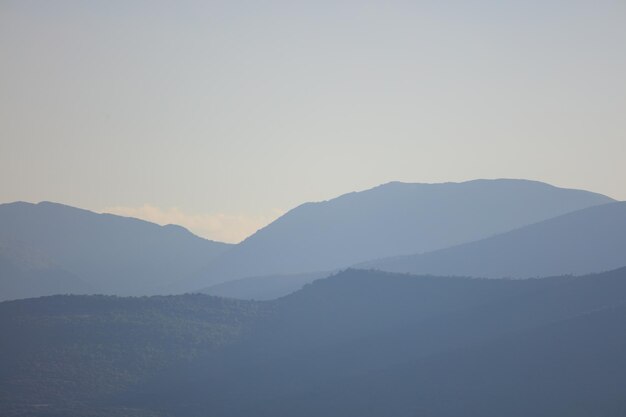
x=378, y=303
x=577, y=243
x=88, y=252
x=389, y=220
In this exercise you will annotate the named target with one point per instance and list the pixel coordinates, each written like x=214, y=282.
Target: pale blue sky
x=221, y=115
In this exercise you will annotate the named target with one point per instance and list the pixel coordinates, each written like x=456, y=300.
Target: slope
x=326, y=340
x=26, y=273
x=70, y=355
x=113, y=254
x=359, y=343
x=582, y=242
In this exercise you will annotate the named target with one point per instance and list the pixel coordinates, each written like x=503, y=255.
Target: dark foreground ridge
x=360, y=343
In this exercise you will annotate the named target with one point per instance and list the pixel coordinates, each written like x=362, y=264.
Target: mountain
x=389, y=220
x=359, y=343
x=111, y=254
x=375, y=344
x=26, y=273
x=572, y=367
x=585, y=241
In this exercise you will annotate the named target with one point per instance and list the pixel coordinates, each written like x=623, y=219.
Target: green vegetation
x=72, y=352
x=359, y=343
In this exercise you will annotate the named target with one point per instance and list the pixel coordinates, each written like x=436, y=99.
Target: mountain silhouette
x=389, y=220
x=582, y=242
x=111, y=254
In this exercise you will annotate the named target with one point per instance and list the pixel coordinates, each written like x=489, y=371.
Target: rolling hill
x=359, y=343
x=69, y=355
x=374, y=344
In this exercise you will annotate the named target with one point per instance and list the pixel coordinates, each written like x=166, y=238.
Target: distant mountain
x=356, y=344
x=111, y=254
x=389, y=220
x=26, y=273
x=582, y=242
x=267, y=287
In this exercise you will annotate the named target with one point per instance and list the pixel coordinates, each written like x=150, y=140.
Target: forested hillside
x=71, y=355
x=358, y=343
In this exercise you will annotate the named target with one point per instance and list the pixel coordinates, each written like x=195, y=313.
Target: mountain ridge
x=585, y=241
x=393, y=218
x=112, y=254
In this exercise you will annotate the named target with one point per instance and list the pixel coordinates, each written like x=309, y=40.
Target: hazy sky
x=222, y=115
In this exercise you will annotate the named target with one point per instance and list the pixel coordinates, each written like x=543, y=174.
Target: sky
x=221, y=116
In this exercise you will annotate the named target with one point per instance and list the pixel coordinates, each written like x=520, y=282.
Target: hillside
x=111, y=254
x=582, y=242
x=389, y=220
x=574, y=367
x=365, y=344
x=69, y=355
x=359, y=343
